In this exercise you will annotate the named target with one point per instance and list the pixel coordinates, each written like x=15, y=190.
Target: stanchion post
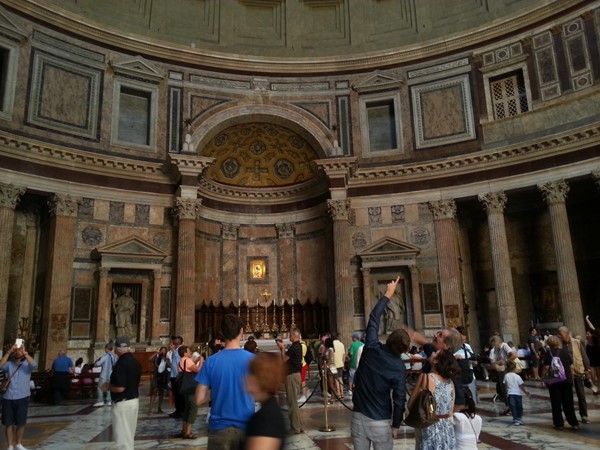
x=326, y=427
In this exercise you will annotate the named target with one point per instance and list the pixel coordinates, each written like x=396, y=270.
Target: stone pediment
x=377, y=82
x=133, y=252
x=8, y=26
x=389, y=252
x=139, y=68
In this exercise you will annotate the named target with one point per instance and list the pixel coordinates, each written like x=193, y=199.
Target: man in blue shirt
x=62, y=367
x=224, y=373
x=377, y=416
x=106, y=361
x=18, y=365
x=176, y=342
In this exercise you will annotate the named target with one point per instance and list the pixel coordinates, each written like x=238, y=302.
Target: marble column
x=59, y=281
x=344, y=301
x=104, y=308
x=229, y=265
x=494, y=203
x=415, y=282
x=187, y=210
x=9, y=198
x=555, y=194
x=446, y=241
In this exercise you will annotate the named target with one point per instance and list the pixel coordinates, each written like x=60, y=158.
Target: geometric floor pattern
x=77, y=425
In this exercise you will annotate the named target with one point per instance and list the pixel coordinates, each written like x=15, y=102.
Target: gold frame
x=257, y=269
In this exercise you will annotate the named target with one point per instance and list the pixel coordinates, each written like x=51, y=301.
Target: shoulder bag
x=421, y=409
x=4, y=385
x=187, y=381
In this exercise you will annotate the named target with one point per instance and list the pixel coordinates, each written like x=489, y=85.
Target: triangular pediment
x=138, y=67
x=130, y=252
x=389, y=252
x=378, y=81
x=9, y=28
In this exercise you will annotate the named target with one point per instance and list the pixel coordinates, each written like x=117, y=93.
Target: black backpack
x=466, y=370
x=308, y=357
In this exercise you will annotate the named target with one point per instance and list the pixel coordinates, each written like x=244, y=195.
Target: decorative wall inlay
x=229, y=231
x=443, y=209
x=10, y=195
x=375, y=215
x=295, y=87
x=502, y=54
x=259, y=154
x=63, y=205
x=92, y=235
x=58, y=327
x=443, y=112
x=142, y=214
x=425, y=214
x=554, y=191
x=338, y=209
x=175, y=111
x=578, y=56
x=187, y=208
x=342, y=84
x=546, y=66
x=86, y=208
x=161, y=240
x=321, y=110
x=285, y=230
x=64, y=96
x=398, y=213
x=420, y=236
x=116, y=212
x=359, y=240
x=219, y=82
x=493, y=202
x=464, y=62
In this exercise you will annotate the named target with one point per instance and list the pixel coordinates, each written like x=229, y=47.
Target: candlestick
x=248, y=327
x=283, y=327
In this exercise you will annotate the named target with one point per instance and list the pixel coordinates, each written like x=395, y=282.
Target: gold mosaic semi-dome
x=260, y=155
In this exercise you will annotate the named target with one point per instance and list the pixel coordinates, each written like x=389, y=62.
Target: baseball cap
x=122, y=342
x=355, y=335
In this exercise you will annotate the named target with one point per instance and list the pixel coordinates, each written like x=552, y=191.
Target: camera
x=278, y=340
x=19, y=343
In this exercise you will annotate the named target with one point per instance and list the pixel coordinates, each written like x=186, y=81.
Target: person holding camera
x=293, y=358
x=18, y=365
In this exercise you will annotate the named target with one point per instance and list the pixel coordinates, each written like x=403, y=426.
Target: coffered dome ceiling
x=258, y=155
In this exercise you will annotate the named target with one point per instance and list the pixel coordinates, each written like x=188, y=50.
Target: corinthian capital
x=493, y=202
x=285, y=230
x=443, y=209
x=63, y=205
x=554, y=191
x=339, y=209
x=187, y=208
x=229, y=231
x=10, y=195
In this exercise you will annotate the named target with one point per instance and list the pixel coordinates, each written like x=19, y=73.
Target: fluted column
x=186, y=210
x=104, y=308
x=494, y=203
x=344, y=302
x=555, y=194
x=57, y=306
x=367, y=292
x=9, y=198
x=446, y=241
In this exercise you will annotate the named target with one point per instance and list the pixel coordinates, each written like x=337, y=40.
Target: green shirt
x=353, y=351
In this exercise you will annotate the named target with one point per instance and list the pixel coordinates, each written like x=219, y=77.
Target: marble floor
x=78, y=425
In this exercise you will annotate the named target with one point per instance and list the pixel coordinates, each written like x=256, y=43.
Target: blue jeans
x=515, y=403
x=100, y=393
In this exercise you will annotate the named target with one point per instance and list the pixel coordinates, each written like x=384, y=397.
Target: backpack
x=466, y=369
x=556, y=372
x=308, y=357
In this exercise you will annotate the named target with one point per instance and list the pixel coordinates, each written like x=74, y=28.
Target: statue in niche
x=393, y=316
x=124, y=308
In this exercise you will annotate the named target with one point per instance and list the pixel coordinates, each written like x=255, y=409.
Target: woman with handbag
x=188, y=370
x=439, y=435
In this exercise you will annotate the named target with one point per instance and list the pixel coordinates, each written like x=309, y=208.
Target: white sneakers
x=108, y=403
x=302, y=399
x=19, y=447
x=98, y=404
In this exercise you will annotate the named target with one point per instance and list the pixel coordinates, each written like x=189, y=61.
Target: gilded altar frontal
x=161, y=168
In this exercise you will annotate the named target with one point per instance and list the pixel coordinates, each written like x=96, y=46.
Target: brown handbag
x=421, y=409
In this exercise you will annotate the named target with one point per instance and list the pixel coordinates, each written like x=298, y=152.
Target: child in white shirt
x=515, y=391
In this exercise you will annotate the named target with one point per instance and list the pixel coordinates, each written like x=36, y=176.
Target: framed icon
x=257, y=269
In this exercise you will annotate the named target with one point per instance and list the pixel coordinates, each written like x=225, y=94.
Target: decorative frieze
x=375, y=215
x=10, y=195
x=398, y=213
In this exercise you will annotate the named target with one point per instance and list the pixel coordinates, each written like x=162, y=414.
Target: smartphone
x=19, y=343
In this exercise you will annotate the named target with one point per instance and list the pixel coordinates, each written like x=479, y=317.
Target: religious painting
x=257, y=269
x=394, y=315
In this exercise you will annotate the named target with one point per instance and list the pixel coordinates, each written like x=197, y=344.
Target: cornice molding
x=73, y=24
